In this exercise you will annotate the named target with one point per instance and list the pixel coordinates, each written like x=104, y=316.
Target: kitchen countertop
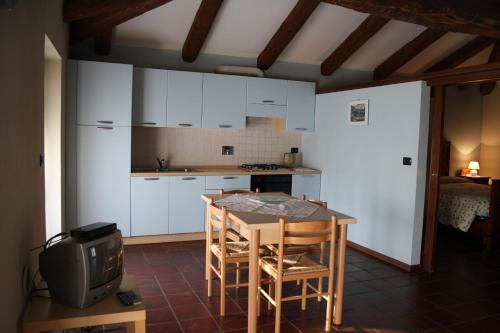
x=225, y=170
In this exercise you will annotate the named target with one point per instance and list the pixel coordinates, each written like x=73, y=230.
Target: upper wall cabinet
x=301, y=105
x=224, y=101
x=149, y=101
x=266, y=97
x=184, y=99
x=104, y=93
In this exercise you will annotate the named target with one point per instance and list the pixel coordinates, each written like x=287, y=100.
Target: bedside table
x=479, y=179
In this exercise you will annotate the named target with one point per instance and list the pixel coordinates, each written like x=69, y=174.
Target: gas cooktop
x=259, y=167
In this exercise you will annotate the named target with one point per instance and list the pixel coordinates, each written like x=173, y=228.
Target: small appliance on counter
x=85, y=267
x=291, y=159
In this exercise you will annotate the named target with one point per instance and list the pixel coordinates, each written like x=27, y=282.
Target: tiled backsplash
x=264, y=140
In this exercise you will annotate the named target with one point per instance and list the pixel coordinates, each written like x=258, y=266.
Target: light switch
x=406, y=160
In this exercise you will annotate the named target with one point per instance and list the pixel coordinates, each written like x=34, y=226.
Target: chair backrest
x=218, y=219
x=222, y=191
x=305, y=233
x=320, y=203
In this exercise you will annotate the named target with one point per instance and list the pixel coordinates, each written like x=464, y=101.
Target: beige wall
x=22, y=35
x=462, y=126
x=490, y=138
x=264, y=140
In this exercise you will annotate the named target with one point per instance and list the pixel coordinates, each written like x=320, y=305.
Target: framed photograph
x=358, y=112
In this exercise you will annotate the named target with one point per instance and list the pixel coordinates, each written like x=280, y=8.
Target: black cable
x=47, y=243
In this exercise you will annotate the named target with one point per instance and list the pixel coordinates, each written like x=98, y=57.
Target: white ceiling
x=243, y=28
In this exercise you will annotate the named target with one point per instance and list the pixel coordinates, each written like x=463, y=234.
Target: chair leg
x=209, y=280
x=237, y=275
x=320, y=288
x=222, y=288
x=304, y=293
x=329, y=305
x=259, y=280
x=271, y=293
x=277, y=299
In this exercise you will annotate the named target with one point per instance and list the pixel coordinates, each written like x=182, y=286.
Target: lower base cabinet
x=308, y=185
x=149, y=209
x=186, y=208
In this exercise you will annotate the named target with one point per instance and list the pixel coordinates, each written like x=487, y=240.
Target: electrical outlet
x=406, y=160
x=227, y=150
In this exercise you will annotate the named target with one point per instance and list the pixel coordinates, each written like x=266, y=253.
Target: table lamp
x=473, y=166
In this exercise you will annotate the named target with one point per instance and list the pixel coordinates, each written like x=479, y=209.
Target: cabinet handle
x=105, y=127
x=104, y=121
x=225, y=126
x=268, y=101
x=301, y=128
x=230, y=177
x=185, y=125
x=188, y=178
x=152, y=178
x=148, y=123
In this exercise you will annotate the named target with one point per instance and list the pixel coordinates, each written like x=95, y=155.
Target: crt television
x=83, y=269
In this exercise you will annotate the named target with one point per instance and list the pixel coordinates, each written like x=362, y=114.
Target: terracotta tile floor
x=463, y=295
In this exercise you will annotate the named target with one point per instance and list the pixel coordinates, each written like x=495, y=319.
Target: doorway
x=52, y=139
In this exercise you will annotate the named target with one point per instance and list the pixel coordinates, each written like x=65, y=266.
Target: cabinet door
x=263, y=110
x=104, y=94
x=228, y=182
x=103, y=176
x=224, y=101
x=309, y=185
x=149, y=97
x=184, y=99
x=149, y=206
x=186, y=208
x=301, y=105
x=266, y=91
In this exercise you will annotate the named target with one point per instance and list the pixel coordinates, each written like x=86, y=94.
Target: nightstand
x=479, y=179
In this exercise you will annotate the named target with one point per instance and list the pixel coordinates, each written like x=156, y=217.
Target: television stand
x=43, y=315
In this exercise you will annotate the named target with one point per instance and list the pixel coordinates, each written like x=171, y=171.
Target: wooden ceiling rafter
x=407, y=53
x=92, y=26
x=202, y=23
x=286, y=32
x=462, y=54
x=472, y=17
x=369, y=27
x=487, y=88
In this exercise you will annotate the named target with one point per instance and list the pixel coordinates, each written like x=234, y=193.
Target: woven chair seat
x=233, y=249
x=292, y=264
x=294, y=249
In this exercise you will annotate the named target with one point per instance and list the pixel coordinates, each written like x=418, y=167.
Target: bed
x=466, y=205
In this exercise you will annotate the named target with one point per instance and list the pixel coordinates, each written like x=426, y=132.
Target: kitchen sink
x=163, y=171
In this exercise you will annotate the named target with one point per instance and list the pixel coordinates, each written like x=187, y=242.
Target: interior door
x=436, y=134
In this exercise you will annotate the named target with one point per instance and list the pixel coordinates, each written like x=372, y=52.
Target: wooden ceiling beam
x=286, y=32
x=92, y=26
x=473, y=17
x=370, y=26
x=102, y=42
x=406, y=53
x=462, y=54
x=488, y=87
x=200, y=28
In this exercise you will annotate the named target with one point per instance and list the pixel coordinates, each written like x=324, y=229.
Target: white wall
x=463, y=116
x=363, y=174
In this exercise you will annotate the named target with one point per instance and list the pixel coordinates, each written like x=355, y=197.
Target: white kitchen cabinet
x=186, y=208
x=224, y=101
x=301, y=105
x=230, y=182
x=149, y=101
x=104, y=93
x=266, y=91
x=149, y=205
x=184, y=100
x=263, y=110
x=308, y=185
x=103, y=176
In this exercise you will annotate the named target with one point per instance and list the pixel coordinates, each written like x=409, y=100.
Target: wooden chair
x=226, y=253
x=231, y=233
x=292, y=267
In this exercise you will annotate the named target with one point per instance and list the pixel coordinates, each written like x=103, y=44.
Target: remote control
x=128, y=298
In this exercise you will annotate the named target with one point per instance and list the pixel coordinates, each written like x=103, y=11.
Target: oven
x=272, y=183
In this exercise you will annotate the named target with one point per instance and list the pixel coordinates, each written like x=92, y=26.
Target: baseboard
x=163, y=238
x=383, y=257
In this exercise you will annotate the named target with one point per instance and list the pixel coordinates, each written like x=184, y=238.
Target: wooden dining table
x=261, y=229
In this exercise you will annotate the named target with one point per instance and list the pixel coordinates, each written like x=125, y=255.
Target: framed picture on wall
x=358, y=112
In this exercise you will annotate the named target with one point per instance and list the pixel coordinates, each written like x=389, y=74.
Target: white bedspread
x=460, y=203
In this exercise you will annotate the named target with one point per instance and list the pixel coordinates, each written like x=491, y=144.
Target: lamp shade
x=473, y=165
